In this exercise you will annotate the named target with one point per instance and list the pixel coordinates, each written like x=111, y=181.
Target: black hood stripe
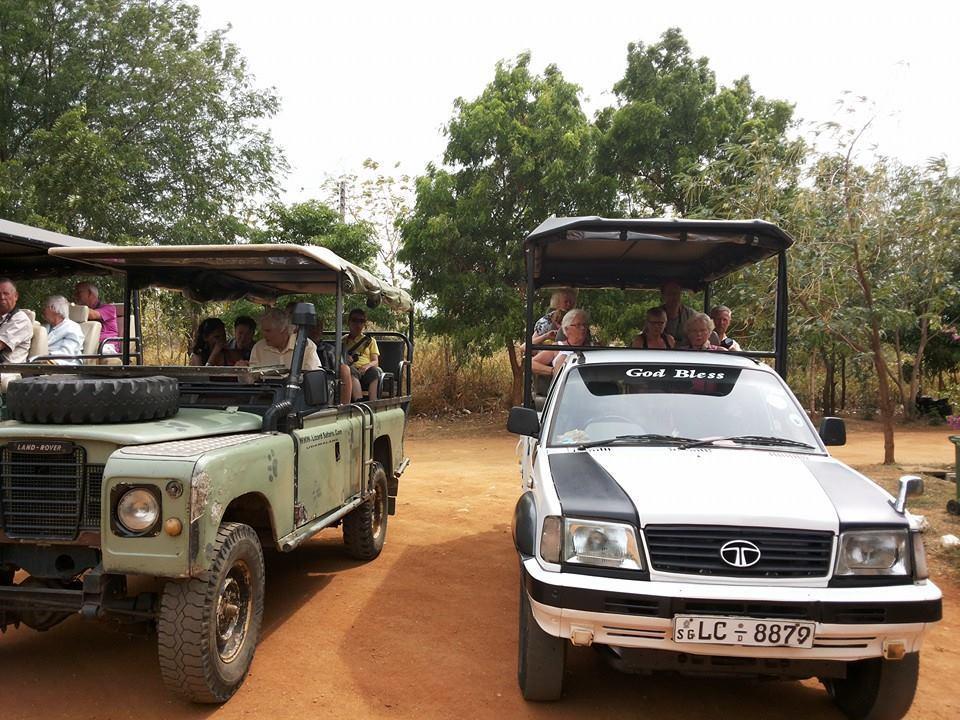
x=856, y=501
x=587, y=490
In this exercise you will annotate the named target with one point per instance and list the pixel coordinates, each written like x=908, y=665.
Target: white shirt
x=65, y=338
x=263, y=355
x=16, y=332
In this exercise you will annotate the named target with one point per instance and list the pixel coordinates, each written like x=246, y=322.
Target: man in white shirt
x=64, y=336
x=16, y=328
x=279, y=340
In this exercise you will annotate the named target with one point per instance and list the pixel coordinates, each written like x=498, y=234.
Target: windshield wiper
x=768, y=440
x=645, y=438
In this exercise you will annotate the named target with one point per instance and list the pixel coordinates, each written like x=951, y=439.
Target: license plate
x=742, y=631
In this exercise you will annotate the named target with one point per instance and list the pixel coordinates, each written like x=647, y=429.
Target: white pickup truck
x=680, y=512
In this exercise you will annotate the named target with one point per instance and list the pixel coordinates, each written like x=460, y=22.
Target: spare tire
x=68, y=399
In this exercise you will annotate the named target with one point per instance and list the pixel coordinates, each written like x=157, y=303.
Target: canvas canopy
x=260, y=273
x=642, y=253
x=23, y=251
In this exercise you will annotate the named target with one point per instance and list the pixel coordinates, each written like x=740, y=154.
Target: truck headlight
x=138, y=510
x=601, y=544
x=874, y=552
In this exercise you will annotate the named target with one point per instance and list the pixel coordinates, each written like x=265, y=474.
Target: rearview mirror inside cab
x=524, y=421
x=833, y=431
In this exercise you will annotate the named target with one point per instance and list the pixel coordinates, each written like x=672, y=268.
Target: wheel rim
x=378, y=512
x=234, y=611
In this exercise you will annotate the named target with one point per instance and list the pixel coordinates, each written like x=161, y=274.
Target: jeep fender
x=524, y=525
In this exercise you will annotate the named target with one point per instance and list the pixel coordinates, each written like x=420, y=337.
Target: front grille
x=695, y=550
x=48, y=496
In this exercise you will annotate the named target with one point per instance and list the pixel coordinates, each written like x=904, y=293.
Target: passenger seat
x=91, y=331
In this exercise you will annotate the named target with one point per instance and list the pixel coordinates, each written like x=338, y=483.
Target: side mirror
x=524, y=421
x=833, y=431
x=910, y=486
x=315, y=387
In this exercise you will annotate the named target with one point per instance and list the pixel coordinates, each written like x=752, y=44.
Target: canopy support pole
x=528, y=340
x=780, y=336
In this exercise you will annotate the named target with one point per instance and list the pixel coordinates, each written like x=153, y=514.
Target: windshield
x=656, y=403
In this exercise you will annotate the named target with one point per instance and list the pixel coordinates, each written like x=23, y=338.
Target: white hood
x=719, y=486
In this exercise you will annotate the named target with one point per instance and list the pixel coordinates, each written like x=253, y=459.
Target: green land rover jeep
x=174, y=479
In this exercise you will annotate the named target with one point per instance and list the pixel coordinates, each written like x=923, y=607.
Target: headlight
x=874, y=552
x=601, y=544
x=138, y=510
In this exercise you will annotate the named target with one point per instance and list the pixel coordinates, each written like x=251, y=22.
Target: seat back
x=38, y=341
x=392, y=354
x=79, y=313
x=91, y=339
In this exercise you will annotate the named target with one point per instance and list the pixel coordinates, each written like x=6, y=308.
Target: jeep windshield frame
x=596, y=252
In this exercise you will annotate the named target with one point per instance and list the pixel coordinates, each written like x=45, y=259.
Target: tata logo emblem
x=740, y=553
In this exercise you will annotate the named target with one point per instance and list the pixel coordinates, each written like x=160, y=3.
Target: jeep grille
x=695, y=550
x=48, y=496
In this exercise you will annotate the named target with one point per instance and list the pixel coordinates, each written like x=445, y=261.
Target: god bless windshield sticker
x=675, y=379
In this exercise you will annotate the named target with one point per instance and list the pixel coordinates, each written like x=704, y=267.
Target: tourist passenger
x=16, y=328
x=88, y=294
x=653, y=335
x=363, y=354
x=244, y=329
x=64, y=336
x=278, y=343
x=546, y=328
x=698, y=331
x=576, y=328
x=210, y=345
x=721, y=316
x=671, y=293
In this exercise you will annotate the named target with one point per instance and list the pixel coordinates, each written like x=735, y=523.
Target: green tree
x=120, y=122
x=313, y=223
x=521, y=151
x=672, y=120
x=876, y=257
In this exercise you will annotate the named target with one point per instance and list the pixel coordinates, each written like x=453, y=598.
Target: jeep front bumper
x=851, y=623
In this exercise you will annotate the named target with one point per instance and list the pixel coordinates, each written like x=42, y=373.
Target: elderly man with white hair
x=64, y=336
x=279, y=340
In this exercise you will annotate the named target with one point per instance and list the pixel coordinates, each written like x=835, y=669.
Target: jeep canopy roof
x=23, y=251
x=260, y=273
x=643, y=253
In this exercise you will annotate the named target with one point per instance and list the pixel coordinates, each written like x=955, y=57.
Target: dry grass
x=442, y=385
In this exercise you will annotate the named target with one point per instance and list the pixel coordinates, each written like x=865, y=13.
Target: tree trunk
x=917, y=366
x=516, y=367
x=828, y=404
x=843, y=382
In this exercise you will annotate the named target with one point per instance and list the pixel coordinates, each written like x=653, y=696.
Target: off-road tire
x=189, y=626
x=541, y=657
x=877, y=689
x=365, y=529
x=67, y=399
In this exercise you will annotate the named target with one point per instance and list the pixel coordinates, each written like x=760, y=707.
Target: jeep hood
x=720, y=486
x=187, y=424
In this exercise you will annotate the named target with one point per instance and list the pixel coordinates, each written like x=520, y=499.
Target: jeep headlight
x=138, y=510
x=601, y=544
x=874, y=552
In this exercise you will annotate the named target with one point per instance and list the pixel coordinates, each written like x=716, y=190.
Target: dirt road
x=426, y=631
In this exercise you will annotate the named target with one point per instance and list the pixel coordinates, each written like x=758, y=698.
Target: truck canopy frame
x=596, y=252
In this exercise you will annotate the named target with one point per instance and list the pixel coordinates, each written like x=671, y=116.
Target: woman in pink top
x=698, y=330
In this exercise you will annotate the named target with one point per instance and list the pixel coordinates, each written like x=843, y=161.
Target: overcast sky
x=378, y=79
